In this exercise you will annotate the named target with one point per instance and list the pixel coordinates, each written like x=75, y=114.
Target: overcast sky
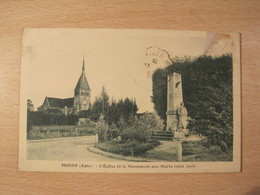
x=52, y=60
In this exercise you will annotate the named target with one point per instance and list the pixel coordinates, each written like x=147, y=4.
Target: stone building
x=80, y=101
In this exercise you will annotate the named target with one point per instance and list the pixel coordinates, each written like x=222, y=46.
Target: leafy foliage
x=100, y=105
x=111, y=109
x=122, y=109
x=30, y=106
x=143, y=128
x=159, y=97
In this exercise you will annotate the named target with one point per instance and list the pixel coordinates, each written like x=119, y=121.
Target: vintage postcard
x=130, y=101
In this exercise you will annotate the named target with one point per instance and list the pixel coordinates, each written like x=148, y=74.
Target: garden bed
x=127, y=148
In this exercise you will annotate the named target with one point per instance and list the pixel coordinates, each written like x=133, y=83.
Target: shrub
x=113, y=133
x=51, y=117
x=143, y=128
x=86, y=114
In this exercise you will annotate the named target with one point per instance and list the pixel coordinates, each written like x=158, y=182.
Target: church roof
x=82, y=82
x=60, y=103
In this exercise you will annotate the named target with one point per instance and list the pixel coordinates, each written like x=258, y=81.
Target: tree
x=102, y=128
x=122, y=124
x=101, y=105
x=127, y=109
x=30, y=108
x=111, y=109
x=113, y=112
x=159, y=97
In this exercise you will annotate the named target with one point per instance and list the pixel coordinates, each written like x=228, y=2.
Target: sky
x=116, y=59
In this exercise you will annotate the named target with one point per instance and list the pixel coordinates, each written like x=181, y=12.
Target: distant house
x=80, y=101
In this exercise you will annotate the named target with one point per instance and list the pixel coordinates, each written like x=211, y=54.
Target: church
x=73, y=105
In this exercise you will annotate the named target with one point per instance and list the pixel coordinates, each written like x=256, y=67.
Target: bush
x=86, y=114
x=113, y=133
x=51, y=117
x=143, y=128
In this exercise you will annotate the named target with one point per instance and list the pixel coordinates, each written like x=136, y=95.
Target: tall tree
x=101, y=105
x=159, y=97
x=30, y=106
x=30, y=109
x=111, y=109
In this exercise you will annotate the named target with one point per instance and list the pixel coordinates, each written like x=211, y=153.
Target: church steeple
x=82, y=82
x=82, y=92
x=83, y=65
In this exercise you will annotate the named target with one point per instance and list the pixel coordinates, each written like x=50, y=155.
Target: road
x=69, y=148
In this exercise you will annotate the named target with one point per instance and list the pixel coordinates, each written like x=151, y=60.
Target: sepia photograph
x=123, y=101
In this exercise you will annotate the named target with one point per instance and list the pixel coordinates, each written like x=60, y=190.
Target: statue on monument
x=101, y=118
x=183, y=115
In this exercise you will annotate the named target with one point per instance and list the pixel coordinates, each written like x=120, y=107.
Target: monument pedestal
x=179, y=135
x=172, y=121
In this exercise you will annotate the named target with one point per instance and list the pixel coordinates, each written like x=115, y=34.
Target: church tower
x=82, y=92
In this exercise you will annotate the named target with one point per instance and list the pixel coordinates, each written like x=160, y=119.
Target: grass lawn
x=194, y=151
x=153, y=150
x=166, y=151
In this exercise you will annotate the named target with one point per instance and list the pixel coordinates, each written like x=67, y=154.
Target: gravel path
x=69, y=148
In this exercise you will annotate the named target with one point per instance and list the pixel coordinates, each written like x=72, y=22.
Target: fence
x=54, y=131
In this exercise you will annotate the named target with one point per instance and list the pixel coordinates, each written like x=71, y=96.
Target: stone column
x=179, y=151
x=174, y=99
x=66, y=110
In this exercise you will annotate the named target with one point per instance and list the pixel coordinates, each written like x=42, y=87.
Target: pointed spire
x=83, y=66
x=82, y=82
